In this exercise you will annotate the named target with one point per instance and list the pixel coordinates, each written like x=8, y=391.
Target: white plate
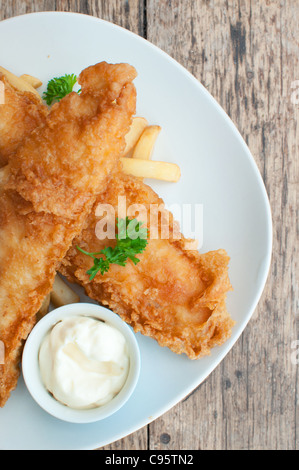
x=217, y=171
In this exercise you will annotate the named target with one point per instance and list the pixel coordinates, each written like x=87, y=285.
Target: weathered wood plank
x=128, y=14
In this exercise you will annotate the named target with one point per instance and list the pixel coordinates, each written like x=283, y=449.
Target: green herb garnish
x=59, y=87
x=131, y=240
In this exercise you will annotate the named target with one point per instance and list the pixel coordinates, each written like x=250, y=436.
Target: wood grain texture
x=246, y=53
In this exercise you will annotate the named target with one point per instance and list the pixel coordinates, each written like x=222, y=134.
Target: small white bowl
x=31, y=370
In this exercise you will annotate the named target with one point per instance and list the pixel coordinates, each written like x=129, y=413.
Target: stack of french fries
x=137, y=161
x=23, y=83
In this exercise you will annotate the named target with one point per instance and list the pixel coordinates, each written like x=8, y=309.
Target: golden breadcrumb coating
x=20, y=114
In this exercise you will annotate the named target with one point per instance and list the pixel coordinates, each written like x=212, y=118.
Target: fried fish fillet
x=20, y=114
x=46, y=192
x=173, y=295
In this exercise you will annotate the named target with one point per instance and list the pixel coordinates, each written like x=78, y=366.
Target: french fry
x=136, y=129
x=145, y=145
x=33, y=81
x=151, y=169
x=18, y=82
x=44, y=308
x=62, y=294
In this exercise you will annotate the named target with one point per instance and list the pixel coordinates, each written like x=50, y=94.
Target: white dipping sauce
x=84, y=362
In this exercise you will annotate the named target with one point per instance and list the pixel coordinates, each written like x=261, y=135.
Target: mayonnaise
x=84, y=362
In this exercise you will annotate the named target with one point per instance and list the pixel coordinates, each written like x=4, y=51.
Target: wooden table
x=246, y=53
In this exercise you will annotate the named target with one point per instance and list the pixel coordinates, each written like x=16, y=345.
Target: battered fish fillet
x=21, y=113
x=173, y=295
x=46, y=192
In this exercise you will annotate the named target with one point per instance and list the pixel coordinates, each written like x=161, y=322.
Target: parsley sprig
x=59, y=87
x=131, y=240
